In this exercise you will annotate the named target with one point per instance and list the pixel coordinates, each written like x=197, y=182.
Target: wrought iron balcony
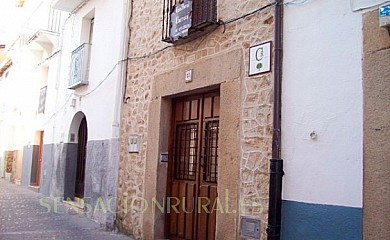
x=79, y=68
x=185, y=20
x=41, y=28
x=45, y=18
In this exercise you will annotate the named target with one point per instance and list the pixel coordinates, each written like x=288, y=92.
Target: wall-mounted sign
x=384, y=11
x=181, y=19
x=384, y=16
x=72, y=137
x=260, y=58
x=188, y=76
x=134, y=143
x=250, y=228
x=164, y=157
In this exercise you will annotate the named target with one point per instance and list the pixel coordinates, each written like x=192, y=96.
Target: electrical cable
x=80, y=6
x=58, y=110
x=296, y=2
x=351, y=3
x=150, y=54
x=135, y=58
x=124, y=98
x=224, y=23
x=48, y=58
x=104, y=79
x=366, y=7
x=250, y=13
x=221, y=22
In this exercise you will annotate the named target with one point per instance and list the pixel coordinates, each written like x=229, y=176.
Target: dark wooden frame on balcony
x=204, y=20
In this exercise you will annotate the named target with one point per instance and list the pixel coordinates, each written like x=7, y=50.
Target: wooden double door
x=193, y=167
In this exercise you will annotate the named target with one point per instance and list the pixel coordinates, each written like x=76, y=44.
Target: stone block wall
x=150, y=57
x=376, y=128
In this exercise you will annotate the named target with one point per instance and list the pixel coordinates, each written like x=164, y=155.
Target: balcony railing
x=79, y=68
x=202, y=18
x=45, y=18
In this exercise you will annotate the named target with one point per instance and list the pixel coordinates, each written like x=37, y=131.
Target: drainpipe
x=276, y=163
x=111, y=222
x=122, y=66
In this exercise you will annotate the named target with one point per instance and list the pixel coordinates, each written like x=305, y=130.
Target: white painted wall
x=322, y=92
x=28, y=73
x=102, y=91
x=364, y=4
x=19, y=98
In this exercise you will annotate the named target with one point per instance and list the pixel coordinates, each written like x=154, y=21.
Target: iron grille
x=204, y=19
x=186, y=151
x=54, y=21
x=210, y=157
x=79, y=66
x=45, y=11
x=204, y=12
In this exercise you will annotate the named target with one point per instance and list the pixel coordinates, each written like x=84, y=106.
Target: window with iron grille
x=210, y=157
x=186, y=151
x=42, y=100
x=185, y=20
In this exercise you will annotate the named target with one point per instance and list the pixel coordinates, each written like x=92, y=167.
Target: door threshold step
x=75, y=205
x=33, y=188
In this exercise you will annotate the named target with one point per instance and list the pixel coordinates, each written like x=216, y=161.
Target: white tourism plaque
x=260, y=58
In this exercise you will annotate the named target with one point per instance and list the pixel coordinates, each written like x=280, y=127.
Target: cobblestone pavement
x=23, y=217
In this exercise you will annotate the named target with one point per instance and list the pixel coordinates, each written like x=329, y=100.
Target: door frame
x=166, y=86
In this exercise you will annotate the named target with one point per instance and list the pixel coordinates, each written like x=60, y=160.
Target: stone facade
x=156, y=72
x=376, y=131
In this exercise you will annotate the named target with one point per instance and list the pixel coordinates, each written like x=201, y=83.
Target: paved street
x=23, y=217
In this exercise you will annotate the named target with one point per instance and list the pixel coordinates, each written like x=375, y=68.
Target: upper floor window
x=81, y=56
x=42, y=100
x=92, y=23
x=185, y=20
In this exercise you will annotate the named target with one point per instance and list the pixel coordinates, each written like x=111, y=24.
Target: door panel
x=212, y=216
x=190, y=209
x=206, y=210
x=40, y=156
x=194, y=167
x=81, y=156
x=181, y=218
x=37, y=161
x=172, y=202
x=202, y=210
